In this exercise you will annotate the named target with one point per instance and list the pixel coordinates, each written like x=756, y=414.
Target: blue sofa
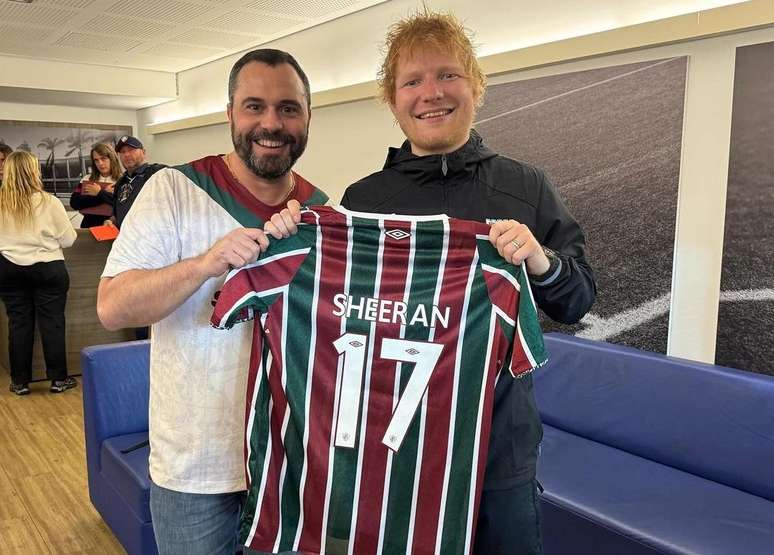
x=644, y=453
x=115, y=413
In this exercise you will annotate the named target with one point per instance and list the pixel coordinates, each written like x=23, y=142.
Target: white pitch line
x=567, y=93
x=747, y=295
x=599, y=328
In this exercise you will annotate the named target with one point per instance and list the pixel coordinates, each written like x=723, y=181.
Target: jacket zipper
x=444, y=171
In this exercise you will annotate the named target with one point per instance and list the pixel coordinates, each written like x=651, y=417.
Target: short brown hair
x=427, y=29
x=5, y=149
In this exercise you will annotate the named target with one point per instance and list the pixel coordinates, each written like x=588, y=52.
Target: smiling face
x=269, y=118
x=434, y=102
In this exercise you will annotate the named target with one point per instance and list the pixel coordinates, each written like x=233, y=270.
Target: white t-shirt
x=43, y=240
x=198, y=375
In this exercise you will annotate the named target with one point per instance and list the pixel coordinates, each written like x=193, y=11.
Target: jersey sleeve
x=253, y=288
x=511, y=297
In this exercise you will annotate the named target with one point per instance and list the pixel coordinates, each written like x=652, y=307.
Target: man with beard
x=189, y=225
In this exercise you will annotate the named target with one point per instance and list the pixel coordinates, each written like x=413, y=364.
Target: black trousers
x=509, y=522
x=30, y=293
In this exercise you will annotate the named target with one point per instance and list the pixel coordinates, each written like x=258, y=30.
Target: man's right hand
x=240, y=247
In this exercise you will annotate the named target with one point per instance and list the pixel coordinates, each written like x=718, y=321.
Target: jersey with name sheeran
x=378, y=343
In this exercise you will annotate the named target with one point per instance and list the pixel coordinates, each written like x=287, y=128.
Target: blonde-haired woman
x=93, y=196
x=33, y=278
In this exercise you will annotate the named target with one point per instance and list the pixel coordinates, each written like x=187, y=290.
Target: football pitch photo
x=609, y=139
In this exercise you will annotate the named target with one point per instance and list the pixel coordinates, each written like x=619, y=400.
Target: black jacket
x=475, y=183
x=128, y=187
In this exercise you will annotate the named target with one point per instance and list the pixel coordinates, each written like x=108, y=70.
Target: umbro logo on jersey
x=397, y=234
x=412, y=352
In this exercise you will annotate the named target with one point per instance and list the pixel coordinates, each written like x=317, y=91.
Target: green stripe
x=221, y=197
x=259, y=437
x=362, y=284
x=471, y=382
x=427, y=260
x=529, y=323
x=317, y=198
x=296, y=350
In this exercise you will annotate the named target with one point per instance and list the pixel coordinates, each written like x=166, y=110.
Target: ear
x=228, y=112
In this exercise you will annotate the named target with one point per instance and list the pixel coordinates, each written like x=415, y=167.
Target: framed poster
x=745, y=336
x=610, y=140
x=62, y=148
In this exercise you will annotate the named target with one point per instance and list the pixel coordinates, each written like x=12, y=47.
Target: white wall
x=348, y=141
x=67, y=114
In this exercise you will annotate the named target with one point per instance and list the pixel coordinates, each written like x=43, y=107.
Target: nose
x=432, y=90
x=272, y=120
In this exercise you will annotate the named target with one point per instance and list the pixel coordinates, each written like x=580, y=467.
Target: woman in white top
x=93, y=196
x=33, y=278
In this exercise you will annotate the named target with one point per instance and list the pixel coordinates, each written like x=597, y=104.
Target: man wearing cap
x=138, y=171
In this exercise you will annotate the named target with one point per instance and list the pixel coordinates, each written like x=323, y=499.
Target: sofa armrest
x=116, y=386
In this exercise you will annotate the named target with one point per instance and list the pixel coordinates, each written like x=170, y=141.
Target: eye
x=253, y=107
x=448, y=76
x=290, y=109
x=411, y=83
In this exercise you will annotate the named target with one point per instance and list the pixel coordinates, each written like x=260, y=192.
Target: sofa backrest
x=707, y=420
x=116, y=386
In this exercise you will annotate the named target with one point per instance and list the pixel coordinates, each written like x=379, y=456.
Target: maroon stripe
x=320, y=416
x=268, y=519
x=486, y=427
x=462, y=248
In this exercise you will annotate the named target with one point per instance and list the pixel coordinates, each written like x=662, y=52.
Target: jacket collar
x=436, y=166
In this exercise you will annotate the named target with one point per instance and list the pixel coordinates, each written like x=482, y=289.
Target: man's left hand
x=516, y=244
x=283, y=224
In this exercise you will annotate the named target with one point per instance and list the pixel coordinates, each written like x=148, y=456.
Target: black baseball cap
x=128, y=140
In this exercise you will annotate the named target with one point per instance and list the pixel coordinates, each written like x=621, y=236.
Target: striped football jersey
x=377, y=345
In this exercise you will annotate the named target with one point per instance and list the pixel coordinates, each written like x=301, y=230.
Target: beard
x=268, y=166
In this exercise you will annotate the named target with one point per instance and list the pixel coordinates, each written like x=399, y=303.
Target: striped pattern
x=305, y=492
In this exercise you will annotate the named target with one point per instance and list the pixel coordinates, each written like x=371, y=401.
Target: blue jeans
x=196, y=523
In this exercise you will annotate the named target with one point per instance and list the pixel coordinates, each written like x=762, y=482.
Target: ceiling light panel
x=96, y=42
x=207, y=37
x=78, y=4
x=182, y=51
x=124, y=26
x=45, y=16
x=248, y=22
x=302, y=8
x=23, y=34
x=177, y=12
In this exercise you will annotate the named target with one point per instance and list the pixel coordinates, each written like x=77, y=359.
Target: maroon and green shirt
x=377, y=345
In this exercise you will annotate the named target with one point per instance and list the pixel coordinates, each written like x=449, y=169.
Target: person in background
x=34, y=228
x=138, y=171
x=93, y=196
x=5, y=150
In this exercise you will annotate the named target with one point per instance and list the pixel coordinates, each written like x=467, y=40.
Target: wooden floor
x=44, y=498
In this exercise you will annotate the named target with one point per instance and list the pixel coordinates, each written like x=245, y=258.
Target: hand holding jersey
x=236, y=249
x=513, y=240
x=516, y=244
